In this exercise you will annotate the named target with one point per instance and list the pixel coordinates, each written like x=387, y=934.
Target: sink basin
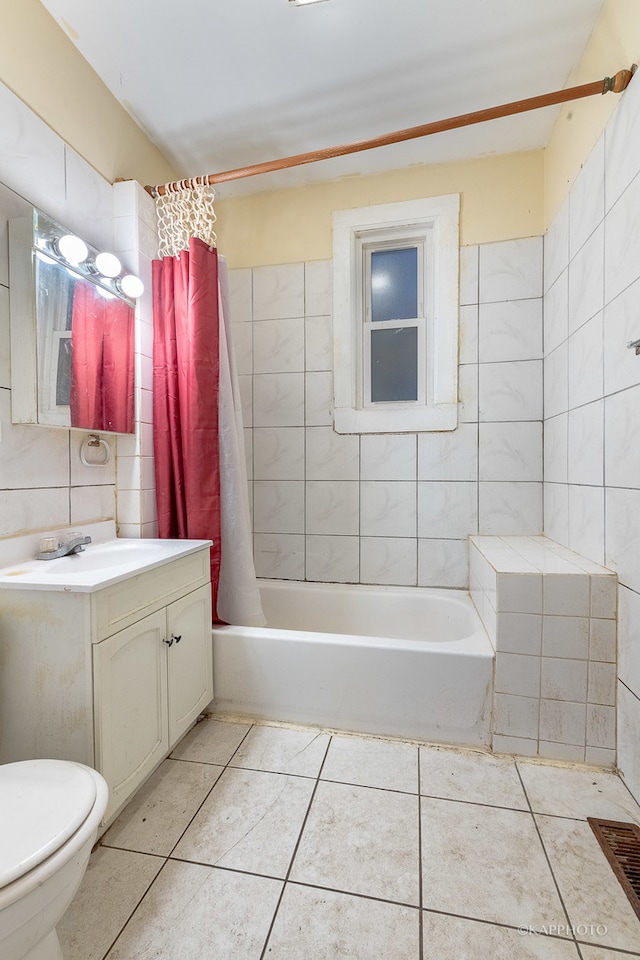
x=97, y=565
x=101, y=556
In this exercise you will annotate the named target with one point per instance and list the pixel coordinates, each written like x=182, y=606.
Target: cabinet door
x=189, y=659
x=130, y=684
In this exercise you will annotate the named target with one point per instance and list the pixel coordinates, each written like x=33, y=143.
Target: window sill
x=443, y=416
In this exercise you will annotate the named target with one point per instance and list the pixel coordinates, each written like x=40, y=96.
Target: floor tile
x=114, y=884
x=484, y=868
x=471, y=776
x=592, y=894
x=323, y=925
x=574, y=792
x=282, y=750
x=599, y=953
x=161, y=811
x=211, y=741
x=194, y=912
x=250, y=821
x=372, y=763
x=453, y=938
x=360, y=840
x=487, y=864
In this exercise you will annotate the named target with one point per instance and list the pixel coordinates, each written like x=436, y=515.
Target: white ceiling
x=218, y=84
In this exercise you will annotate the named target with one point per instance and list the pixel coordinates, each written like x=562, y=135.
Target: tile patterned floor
x=266, y=842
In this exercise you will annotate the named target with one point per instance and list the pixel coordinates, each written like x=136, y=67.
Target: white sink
x=97, y=565
x=103, y=556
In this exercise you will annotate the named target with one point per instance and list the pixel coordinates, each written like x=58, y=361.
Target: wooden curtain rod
x=616, y=84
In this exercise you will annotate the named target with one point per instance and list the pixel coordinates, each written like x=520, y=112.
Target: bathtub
x=406, y=662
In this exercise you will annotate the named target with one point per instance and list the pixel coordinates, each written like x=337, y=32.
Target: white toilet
x=50, y=811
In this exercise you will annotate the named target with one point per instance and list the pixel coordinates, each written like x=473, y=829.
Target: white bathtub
x=407, y=662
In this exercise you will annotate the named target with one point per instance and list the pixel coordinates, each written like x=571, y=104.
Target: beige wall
x=501, y=198
x=41, y=65
x=614, y=45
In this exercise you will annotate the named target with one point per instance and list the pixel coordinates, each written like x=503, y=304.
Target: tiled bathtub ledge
x=551, y=616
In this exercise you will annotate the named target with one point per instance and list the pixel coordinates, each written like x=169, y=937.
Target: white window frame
x=435, y=222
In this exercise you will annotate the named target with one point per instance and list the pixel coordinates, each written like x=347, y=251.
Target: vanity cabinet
x=110, y=677
x=151, y=681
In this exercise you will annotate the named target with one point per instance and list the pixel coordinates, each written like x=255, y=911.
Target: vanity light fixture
x=70, y=248
x=80, y=259
x=108, y=265
x=301, y=3
x=130, y=285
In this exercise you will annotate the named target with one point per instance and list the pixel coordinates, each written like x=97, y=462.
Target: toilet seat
x=42, y=804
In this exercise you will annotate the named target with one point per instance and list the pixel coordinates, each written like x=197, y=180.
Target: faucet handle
x=49, y=544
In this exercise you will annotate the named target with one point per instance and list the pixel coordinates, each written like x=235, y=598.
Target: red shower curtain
x=185, y=398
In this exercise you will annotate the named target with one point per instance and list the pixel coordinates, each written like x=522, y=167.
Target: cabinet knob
x=169, y=643
x=177, y=639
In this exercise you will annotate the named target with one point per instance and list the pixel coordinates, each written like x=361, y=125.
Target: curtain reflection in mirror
x=102, y=362
x=86, y=353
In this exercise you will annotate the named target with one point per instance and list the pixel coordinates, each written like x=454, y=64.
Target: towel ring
x=93, y=440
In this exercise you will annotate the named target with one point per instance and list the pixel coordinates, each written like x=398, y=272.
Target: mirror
x=72, y=330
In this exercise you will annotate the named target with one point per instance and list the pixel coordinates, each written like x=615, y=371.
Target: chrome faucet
x=51, y=550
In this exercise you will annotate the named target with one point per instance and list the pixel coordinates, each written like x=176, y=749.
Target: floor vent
x=621, y=845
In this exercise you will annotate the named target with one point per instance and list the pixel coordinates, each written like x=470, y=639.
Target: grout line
x=130, y=917
x=352, y=893
x=511, y=926
x=213, y=786
x=546, y=855
x=295, y=851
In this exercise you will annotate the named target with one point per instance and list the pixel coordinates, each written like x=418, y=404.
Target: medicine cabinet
x=72, y=313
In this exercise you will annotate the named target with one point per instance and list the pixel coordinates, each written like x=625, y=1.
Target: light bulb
x=131, y=286
x=71, y=248
x=108, y=264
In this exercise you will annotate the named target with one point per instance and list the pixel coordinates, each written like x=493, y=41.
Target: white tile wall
x=586, y=521
x=629, y=646
x=278, y=292
x=556, y=249
x=390, y=456
x=510, y=330
x=586, y=200
x=388, y=560
x=510, y=451
x=628, y=739
x=556, y=312
x=278, y=453
x=42, y=481
x=412, y=500
x=586, y=286
x=595, y=243
x=585, y=428
x=333, y=507
x=511, y=270
x=510, y=391
x=555, y=669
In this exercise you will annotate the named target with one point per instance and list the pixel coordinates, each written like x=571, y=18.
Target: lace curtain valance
x=184, y=214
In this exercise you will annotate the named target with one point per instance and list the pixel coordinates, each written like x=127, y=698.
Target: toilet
x=50, y=811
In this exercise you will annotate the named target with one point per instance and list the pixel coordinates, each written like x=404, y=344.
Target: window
x=396, y=317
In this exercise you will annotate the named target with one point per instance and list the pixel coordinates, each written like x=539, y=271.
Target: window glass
x=394, y=364
x=394, y=284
